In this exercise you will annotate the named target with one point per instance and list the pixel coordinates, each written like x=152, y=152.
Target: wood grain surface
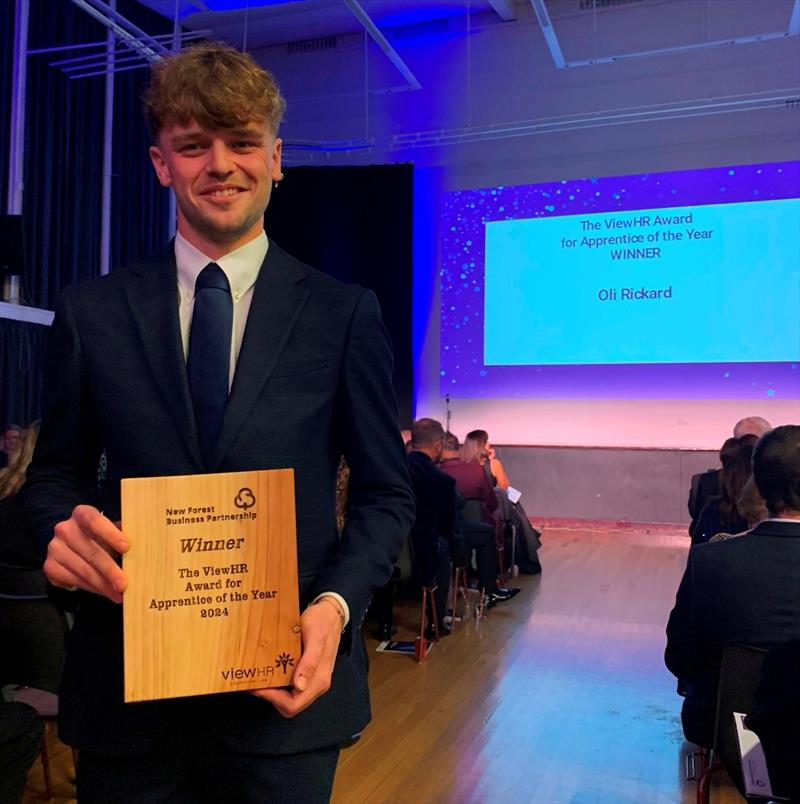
x=212, y=598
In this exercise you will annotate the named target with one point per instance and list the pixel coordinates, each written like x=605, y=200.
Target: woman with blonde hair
x=477, y=449
x=16, y=548
x=13, y=476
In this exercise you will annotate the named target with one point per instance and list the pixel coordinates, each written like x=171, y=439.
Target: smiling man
x=233, y=356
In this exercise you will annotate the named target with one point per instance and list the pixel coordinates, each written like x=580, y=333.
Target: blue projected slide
x=694, y=284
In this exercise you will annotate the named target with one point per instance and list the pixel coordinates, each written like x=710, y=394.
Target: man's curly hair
x=214, y=85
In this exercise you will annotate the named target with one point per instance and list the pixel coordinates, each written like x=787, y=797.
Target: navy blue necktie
x=208, y=364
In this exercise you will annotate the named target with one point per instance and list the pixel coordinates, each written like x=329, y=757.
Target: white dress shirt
x=241, y=267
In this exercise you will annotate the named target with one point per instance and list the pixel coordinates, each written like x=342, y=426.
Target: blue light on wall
x=416, y=16
x=241, y=5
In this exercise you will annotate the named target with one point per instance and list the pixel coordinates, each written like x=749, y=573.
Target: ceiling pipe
x=375, y=32
x=698, y=107
x=546, y=24
x=504, y=9
x=123, y=29
x=794, y=20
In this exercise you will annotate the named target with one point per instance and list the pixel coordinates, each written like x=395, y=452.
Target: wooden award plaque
x=212, y=598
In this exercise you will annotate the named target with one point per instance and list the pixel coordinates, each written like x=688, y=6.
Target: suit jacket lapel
x=153, y=302
x=279, y=296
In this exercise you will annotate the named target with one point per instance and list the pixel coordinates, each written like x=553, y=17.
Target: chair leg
x=463, y=589
x=420, y=644
x=48, y=786
x=500, y=564
x=435, y=613
x=704, y=782
x=480, y=609
x=454, y=597
x=459, y=588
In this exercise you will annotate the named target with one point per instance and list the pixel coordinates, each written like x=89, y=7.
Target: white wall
x=502, y=73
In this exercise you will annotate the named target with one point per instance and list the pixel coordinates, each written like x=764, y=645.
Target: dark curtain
x=21, y=371
x=6, y=65
x=63, y=179
x=140, y=206
x=64, y=158
x=355, y=223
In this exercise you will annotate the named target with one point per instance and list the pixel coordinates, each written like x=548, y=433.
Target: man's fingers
x=83, y=553
x=88, y=579
x=281, y=699
x=306, y=668
x=100, y=528
x=97, y=540
x=288, y=702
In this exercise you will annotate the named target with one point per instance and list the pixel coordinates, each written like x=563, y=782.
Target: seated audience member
x=705, y=485
x=472, y=483
x=12, y=436
x=721, y=514
x=477, y=449
x=752, y=509
x=740, y=591
x=775, y=718
x=15, y=547
x=435, y=521
x=471, y=480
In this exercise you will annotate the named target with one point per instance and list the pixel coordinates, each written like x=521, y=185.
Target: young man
x=306, y=378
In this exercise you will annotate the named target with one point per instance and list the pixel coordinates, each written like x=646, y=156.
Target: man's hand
x=83, y=553
x=320, y=629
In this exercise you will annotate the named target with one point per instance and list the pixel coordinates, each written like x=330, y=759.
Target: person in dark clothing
x=16, y=548
x=473, y=483
x=775, y=718
x=435, y=522
x=721, y=513
x=20, y=742
x=705, y=485
x=740, y=591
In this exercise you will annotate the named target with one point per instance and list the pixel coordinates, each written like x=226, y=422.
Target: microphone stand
x=447, y=409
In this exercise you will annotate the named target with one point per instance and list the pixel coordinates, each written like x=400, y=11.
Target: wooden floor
x=559, y=695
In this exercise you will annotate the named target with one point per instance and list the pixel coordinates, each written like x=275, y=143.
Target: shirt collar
x=240, y=266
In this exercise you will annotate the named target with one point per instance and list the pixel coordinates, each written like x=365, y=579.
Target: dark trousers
x=432, y=566
x=485, y=557
x=442, y=580
x=191, y=767
x=20, y=741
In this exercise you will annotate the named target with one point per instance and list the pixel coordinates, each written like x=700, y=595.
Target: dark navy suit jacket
x=743, y=591
x=312, y=382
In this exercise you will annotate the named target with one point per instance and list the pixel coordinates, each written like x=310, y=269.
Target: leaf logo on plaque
x=212, y=595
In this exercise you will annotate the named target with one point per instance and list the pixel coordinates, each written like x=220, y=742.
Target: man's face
x=10, y=440
x=221, y=180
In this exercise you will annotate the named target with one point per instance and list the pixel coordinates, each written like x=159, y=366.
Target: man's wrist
x=336, y=603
